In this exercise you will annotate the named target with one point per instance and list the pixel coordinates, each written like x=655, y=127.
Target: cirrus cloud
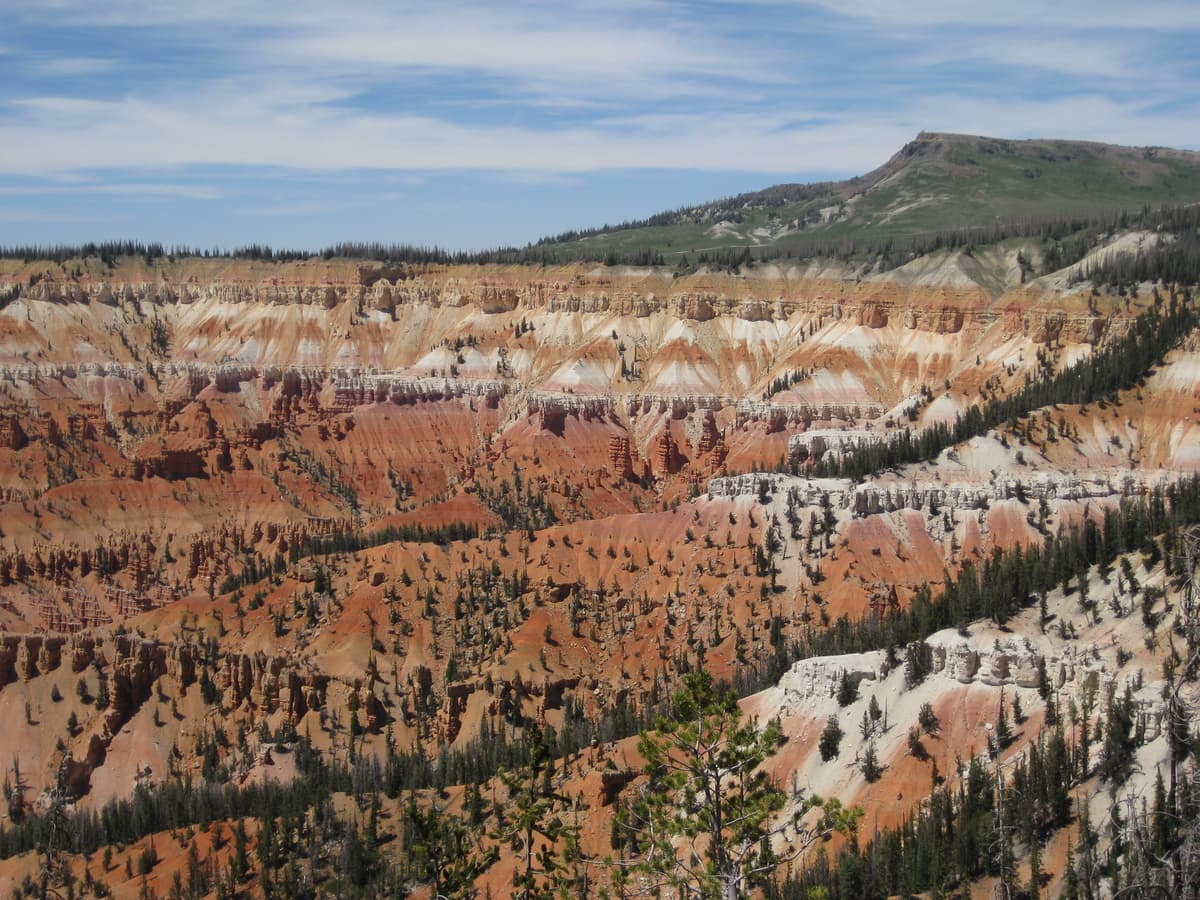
x=175, y=102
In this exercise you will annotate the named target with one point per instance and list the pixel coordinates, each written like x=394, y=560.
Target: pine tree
x=1035, y=869
x=915, y=748
x=240, y=865
x=831, y=739
x=928, y=719
x=441, y=849
x=706, y=786
x=869, y=765
x=847, y=690
x=1116, y=754
x=1003, y=731
x=530, y=823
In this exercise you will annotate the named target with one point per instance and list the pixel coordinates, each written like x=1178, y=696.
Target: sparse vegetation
x=466, y=578
x=831, y=739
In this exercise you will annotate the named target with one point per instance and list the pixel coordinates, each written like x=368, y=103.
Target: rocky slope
x=407, y=506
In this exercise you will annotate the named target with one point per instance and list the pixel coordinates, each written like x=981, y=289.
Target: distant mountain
x=939, y=191
x=936, y=183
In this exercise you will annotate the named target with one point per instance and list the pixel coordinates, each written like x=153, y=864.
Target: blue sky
x=475, y=125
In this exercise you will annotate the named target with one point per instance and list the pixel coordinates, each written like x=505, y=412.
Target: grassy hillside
x=939, y=191
x=936, y=183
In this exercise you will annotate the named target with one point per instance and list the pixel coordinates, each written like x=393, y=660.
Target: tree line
x=1098, y=376
x=1065, y=240
x=354, y=541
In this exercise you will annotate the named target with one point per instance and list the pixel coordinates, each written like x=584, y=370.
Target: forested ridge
x=1062, y=241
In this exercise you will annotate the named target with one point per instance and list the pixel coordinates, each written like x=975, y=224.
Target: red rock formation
x=172, y=463
x=12, y=435
x=620, y=457
x=540, y=621
x=664, y=454
x=711, y=439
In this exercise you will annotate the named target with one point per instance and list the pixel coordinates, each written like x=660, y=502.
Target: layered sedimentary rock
x=889, y=496
x=771, y=296
x=423, y=504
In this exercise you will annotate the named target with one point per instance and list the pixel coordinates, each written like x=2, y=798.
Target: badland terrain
x=313, y=569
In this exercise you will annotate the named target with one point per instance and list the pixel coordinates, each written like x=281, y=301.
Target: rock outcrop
x=882, y=497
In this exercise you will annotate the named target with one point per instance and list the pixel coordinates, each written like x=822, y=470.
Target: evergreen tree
x=847, y=690
x=869, y=764
x=706, y=786
x=531, y=824
x=928, y=719
x=831, y=739
x=240, y=866
x=1116, y=754
x=1003, y=730
x=441, y=850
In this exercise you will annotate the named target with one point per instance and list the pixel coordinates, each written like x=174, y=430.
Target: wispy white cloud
x=509, y=43
x=1067, y=15
x=279, y=128
x=1093, y=117
x=580, y=50
x=70, y=66
x=172, y=101
x=121, y=189
x=122, y=13
x=1097, y=58
x=37, y=216
x=61, y=134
